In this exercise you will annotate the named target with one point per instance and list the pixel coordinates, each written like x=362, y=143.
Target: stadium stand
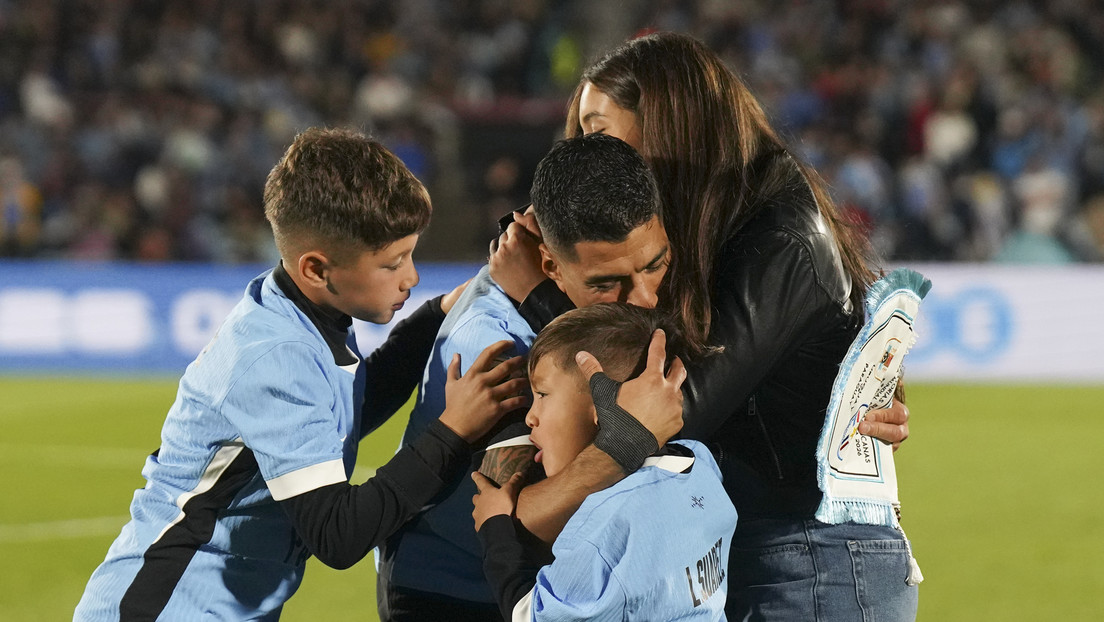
x=140, y=130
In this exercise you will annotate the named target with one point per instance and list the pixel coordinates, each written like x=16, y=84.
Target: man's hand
x=654, y=398
x=889, y=425
x=475, y=402
x=629, y=436
x=515, y=261
x=490, y=500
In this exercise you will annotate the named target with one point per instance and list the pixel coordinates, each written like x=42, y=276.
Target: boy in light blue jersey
x=252, y=476
x=653, y=546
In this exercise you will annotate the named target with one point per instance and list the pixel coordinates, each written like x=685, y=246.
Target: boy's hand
x=492, y=500
x=475, y=402
x=515, y=261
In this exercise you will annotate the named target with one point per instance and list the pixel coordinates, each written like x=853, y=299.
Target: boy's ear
x=550, y=264
x=314, y=269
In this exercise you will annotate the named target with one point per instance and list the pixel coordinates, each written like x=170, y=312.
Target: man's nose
x=642, y=295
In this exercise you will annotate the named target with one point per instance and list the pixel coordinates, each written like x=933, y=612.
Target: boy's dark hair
x=616, y=333
x=593, y=188
x=339, y=188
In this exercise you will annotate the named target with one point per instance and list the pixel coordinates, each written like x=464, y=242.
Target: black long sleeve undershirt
x=545, y=303
x=395, y=369
x=511, y=559
x=341, y=522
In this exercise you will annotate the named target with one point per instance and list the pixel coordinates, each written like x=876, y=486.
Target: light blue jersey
x=654, y=546
x=263, y=414
x=438, y=551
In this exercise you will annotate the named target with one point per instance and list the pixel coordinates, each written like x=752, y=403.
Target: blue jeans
x=808, y=570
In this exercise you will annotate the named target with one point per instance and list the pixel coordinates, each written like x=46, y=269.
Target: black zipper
x=753, y=411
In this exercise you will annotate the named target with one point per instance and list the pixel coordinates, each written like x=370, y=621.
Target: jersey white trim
x=307, y=479
x=351, y=367
x=223, y=458
x=517, y=441
x=523, y=610
x=674, y=464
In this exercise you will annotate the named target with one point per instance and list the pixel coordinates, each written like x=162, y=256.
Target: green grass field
x=1000, y=488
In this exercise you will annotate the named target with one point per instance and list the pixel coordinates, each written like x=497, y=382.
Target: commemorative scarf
x=856, y=472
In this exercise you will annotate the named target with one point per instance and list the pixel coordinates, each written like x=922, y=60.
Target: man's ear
x=550, y=264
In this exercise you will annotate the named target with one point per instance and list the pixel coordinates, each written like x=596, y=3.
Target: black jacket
x=783, y=317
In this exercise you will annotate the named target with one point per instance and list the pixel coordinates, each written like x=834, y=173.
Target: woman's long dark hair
x=704, y=133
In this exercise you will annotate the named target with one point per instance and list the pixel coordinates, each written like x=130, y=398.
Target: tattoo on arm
x=502, y=462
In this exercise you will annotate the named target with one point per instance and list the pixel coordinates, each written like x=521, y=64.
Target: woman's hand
x=515, y=260
x=889, y=424
x=490, y=500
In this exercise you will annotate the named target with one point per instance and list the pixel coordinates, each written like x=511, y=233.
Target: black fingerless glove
x=620, y=435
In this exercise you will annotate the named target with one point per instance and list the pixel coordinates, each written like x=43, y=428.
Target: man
x=598, y=207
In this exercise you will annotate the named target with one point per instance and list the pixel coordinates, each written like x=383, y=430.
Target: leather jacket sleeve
x=767, y=299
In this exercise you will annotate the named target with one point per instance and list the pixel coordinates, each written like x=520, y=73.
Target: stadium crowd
x=144, y=130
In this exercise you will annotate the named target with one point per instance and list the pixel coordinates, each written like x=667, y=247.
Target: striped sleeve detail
x=166, y=559
x=307, y=479
x=222, y=460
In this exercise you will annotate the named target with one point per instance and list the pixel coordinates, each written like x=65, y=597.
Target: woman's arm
x=765, y=298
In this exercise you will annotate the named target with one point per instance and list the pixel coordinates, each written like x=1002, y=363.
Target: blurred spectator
x=501, y=193
x=1093, y=219
x=20, y=210
x=1035, y=242
x=1043, y=194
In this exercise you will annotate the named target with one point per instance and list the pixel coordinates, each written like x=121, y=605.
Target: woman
x=768, y=282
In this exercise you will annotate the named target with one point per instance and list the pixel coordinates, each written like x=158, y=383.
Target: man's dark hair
x=616, y=333
x=339, y=188
x=593, y=188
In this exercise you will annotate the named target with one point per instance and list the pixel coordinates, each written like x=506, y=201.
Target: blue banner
x=980, y=322
x=61, y=316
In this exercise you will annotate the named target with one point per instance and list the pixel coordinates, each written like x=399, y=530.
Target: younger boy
x=655, y=545
x=252, y=474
